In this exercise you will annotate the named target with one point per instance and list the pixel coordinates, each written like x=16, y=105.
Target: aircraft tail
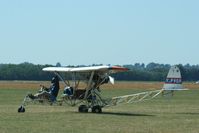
x=174, y=80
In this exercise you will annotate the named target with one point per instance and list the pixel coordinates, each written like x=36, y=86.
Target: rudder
x=174, y=80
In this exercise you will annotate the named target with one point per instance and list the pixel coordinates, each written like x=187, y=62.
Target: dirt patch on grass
x=22, y=84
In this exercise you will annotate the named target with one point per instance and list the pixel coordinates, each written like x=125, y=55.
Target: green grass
x=179, y=114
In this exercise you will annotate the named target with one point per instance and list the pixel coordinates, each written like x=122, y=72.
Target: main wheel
x=83, y=109
x=96, y=109
x=21, y=109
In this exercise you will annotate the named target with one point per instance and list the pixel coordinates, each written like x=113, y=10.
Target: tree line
x=138, y=72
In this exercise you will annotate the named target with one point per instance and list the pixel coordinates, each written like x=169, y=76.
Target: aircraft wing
x=111, y=69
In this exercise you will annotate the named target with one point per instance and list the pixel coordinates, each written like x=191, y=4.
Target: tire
x=83, y=109
x=21, y=109
x=96, y=109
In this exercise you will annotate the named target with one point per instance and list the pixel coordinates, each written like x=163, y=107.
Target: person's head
x=54, y=79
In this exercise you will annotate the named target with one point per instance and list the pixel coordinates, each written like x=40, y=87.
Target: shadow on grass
x=124, y=114
x=117, y=113
x=188, y=113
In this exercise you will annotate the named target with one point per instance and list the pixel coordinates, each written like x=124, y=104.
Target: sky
x=85, y=32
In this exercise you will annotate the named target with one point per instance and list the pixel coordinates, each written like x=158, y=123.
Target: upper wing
x=111, y=69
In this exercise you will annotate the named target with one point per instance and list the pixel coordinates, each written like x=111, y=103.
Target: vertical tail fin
x=173, y=80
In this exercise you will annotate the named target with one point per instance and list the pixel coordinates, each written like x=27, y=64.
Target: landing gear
x=83, y=109
x=96, y=109
x=21, y=109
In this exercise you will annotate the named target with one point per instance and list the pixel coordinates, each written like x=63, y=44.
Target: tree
x=58, y=64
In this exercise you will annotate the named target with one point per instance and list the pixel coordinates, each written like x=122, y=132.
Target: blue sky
x=99, y=31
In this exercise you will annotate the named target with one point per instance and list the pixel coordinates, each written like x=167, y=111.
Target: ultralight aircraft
x=89, y=98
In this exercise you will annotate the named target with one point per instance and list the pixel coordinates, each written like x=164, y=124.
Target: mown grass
x=178, y=114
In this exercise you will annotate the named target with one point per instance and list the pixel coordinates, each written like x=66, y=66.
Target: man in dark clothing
x=48, y=93
x=54, y=89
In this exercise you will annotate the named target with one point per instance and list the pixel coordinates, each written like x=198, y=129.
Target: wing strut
x=89, y=84
x=66, y=84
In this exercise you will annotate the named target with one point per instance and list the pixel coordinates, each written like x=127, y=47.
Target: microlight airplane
x=90, y=97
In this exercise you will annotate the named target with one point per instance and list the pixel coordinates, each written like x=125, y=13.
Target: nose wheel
x=21, y=109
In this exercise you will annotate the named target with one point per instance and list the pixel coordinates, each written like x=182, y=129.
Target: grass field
x=179, y=114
